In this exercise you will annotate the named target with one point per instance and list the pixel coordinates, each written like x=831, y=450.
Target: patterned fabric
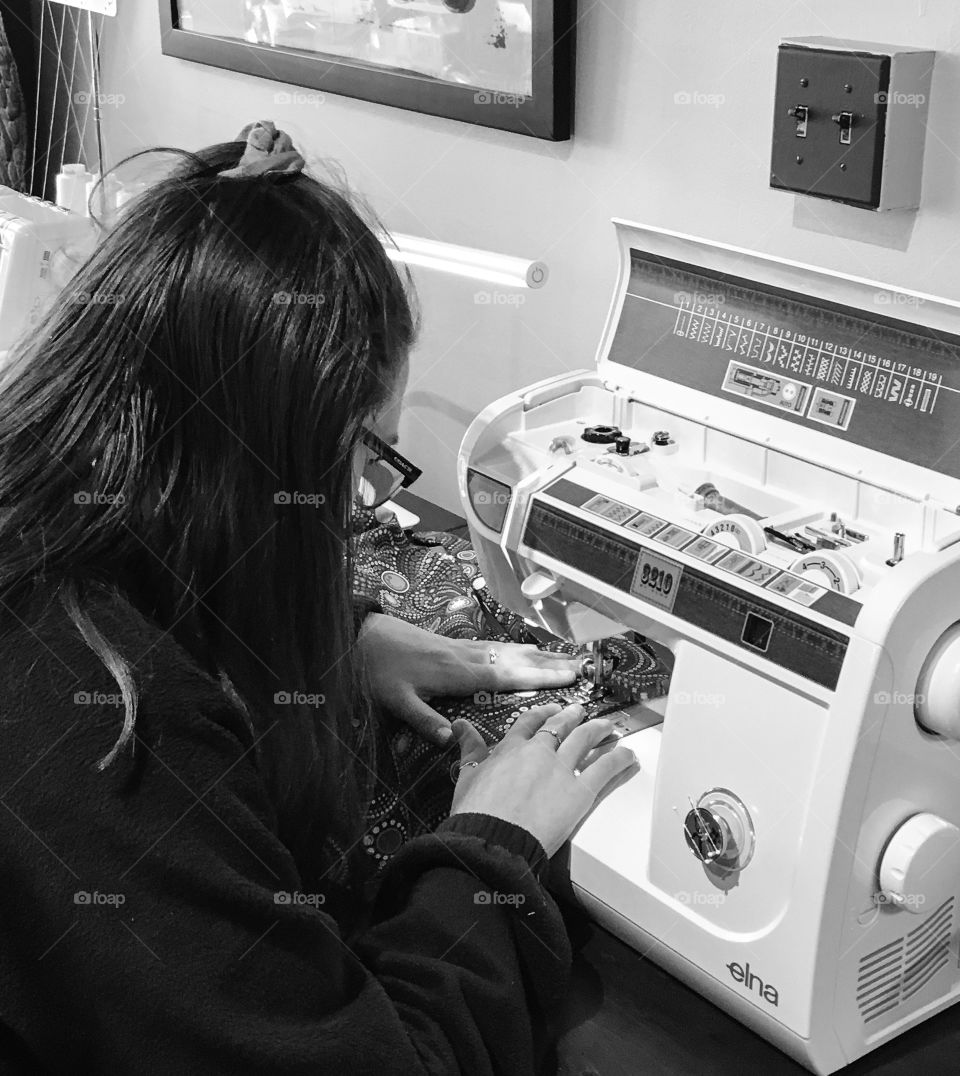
x=431, y=579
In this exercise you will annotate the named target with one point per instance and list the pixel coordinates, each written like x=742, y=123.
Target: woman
x=186, y=750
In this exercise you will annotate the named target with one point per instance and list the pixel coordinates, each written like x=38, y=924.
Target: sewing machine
x=33, y=233
x=761, y=474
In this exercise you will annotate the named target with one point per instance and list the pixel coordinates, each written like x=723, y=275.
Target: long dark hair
x=181, y=428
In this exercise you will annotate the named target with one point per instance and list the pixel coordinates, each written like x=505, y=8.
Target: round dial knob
x=737, y=531
x=708, y=837
x=937, y=699
x=832, y=570
x=719, y=830
x=601, y=435
x=920, y=865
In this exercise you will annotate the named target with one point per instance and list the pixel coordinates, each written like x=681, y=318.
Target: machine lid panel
x=886, y=384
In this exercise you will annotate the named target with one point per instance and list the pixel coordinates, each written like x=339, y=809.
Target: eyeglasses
x=384, y=473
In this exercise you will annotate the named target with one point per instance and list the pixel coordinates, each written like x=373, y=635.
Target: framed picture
x=498, y=63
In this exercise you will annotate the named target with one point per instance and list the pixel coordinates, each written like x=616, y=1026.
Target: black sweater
x=145, y=927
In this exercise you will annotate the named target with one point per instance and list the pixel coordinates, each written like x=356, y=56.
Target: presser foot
x=627, y=716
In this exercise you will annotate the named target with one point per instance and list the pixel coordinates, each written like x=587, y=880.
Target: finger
x=562, y=724
x=549, y=657
x=534, y=678
x=528, y=723
x=532, y=653
x=473, y=748
x=583, y=739
x=525, y=668
x=525, y=653
x=602, y=748
x=423, y=719
x=609, y=766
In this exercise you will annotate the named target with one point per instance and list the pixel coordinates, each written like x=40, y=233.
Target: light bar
x=465, y=261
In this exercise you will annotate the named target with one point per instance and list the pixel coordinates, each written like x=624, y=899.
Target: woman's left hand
x=406, y=665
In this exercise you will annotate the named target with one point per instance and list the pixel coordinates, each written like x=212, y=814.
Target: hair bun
x=267, y=150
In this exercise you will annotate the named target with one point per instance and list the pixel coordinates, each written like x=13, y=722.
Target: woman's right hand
x=528, y=778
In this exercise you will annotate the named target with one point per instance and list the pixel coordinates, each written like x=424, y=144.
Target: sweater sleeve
x=166, y=929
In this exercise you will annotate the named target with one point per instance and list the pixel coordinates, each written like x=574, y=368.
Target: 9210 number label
x=656, y=579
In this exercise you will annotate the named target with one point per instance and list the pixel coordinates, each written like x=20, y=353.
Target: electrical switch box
x=849, y=121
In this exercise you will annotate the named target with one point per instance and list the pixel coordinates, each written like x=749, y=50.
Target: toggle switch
x=800, y=114
x=844, y=120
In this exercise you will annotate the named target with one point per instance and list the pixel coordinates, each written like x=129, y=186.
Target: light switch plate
x=850, y=120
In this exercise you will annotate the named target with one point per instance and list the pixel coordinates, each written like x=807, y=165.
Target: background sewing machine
x=763, y=475
x=33, y=234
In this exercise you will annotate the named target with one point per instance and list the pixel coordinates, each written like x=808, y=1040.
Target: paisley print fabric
x=432, y=579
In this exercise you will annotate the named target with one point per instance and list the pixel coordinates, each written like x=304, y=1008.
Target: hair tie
x=267, y=150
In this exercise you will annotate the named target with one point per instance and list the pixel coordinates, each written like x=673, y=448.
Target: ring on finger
x=492, y=655
x=550, y=732
x=457, y=767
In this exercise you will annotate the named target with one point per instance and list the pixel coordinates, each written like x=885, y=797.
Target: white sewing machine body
x=789, y=739
x=32, y=232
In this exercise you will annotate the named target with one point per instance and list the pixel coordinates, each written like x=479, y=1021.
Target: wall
x=674, y=105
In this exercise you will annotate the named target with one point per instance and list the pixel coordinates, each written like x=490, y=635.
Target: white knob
x=832, y=570
x=920, y=867
x=738, y=531
x=538, y=586
x=937, y=700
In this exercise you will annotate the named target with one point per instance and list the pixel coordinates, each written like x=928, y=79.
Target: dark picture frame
x=546, y=113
